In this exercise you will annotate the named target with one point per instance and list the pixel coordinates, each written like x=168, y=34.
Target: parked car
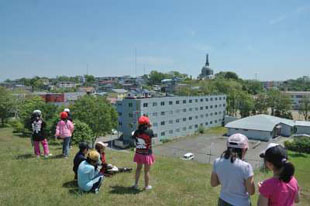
x=188, y=156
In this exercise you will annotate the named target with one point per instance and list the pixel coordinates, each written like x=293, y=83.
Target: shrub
x=299, y=144
x=17, y=126
x=201, y=130
x=82, y=132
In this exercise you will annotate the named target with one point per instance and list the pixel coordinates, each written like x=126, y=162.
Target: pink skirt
x=144, y=159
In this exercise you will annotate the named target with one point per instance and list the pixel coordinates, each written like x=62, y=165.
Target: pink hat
x=238, y=141
x=102, y=144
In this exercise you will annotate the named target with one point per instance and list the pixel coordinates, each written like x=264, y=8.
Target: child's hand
x=259, y=184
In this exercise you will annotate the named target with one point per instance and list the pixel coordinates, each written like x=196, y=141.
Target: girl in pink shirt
x=282, y=189
x=64, y=130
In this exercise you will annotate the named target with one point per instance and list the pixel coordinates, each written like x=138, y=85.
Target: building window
x=190, y=118
x=184, y=119
x=162, y=113
x=162, y=103
x=119, y=114
x=211, y=114
x=215, y=106
x=190, y=101
x=224, y=105
x=162, y=123
x=184, y=101
x=215, y=113
x=120, y=123
x=177, y=120
x=190, y=109
x=162, y=134
x=196, y=108
x=211, y=99
x=184, y=110
x=211, y=106
x=129, y=104
x=177, y=102
x=196, y=117
x=215, y=98
x=130, y=114
x=196, y=100
x=155, y=124
x=206, y=107
x=154, y=104
x=170, y=131
x=201, y=115
x=145, y=105
x=170, y=121
x=190, y=127
x=206, y=123
x=211, y=122
x=177, y=130
x=184, y=128
x=215, y=121
x=201, y=108
x=201, y=100
x=220, y=98
x=155, y=114
x=206, y=115
x=155, y=135
x=207, y=99
x=170, y=102
x=196, y=125
x=201, y=124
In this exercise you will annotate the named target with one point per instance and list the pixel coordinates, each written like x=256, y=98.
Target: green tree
x=155, y=77
x=97, y=113
x=279, y=103
x=89, y=79
x=253, y=87
x=305, y=107
x=7, y=105
x=261, y=103
x=245, y=103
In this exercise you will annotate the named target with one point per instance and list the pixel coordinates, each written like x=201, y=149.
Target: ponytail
x=287, y=171
x=232, y=153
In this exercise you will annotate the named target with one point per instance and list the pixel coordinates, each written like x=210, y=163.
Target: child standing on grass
x=234, y=174
x=38, y=134
x=282, y=189
x=143, y=156
x=64, y=130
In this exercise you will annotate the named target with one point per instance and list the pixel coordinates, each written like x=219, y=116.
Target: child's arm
x=214, y=180
x=57, y=130
x=250, y=186
x=262, y=201
x=297, y=197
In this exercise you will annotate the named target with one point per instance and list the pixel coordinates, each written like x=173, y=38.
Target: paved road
x=208, y=147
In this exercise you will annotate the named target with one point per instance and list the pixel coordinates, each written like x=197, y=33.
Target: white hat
x=37, y=111
x=66, y=110
x=102, y=144
x=270, y=145
x=238, y=141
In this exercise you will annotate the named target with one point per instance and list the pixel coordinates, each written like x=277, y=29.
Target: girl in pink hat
x=234, y=174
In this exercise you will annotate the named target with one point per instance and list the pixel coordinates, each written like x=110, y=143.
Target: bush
x=82, y=132
x=17, y=126
x=201, y=130
x=299, y=144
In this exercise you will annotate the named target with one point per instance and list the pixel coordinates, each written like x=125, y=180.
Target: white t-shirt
x=232, y=177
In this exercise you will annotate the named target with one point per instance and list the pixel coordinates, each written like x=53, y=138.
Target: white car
x=188, y=156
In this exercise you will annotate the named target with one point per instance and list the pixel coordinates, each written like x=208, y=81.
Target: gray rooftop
x=260, y=122
x=302, y=123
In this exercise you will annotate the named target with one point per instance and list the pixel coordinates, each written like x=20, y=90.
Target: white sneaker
x=135, y=187
x=149, y=187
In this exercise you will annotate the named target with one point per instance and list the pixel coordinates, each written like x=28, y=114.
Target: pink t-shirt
x=278, y=192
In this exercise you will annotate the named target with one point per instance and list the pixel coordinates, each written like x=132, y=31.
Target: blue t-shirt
x=232, y=177
x=86, y=176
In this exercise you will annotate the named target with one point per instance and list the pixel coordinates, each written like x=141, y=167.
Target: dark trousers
x=97, y=185
x=223, y=203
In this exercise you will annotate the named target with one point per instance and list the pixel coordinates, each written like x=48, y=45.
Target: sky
x=263, y=39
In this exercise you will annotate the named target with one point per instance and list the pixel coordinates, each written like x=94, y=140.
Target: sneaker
x=149, y=187
x=50, y=154
x=96, y=191
x=135, y=187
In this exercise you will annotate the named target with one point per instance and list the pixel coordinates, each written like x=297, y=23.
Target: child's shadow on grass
x=73, y=187
x=25, y=156
x=59, y=156
x=117, y=189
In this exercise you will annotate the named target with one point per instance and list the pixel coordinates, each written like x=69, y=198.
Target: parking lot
x=207, y=148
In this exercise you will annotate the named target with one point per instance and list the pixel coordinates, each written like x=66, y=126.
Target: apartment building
x=171, y=116
x=296, y=97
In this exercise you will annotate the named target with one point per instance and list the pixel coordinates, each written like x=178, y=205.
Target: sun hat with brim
x=270, y=145
x=66, y=110
x=275, y=153
x=238, y=141
x=102, y=144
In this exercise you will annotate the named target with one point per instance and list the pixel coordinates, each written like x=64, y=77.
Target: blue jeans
x=65, y=146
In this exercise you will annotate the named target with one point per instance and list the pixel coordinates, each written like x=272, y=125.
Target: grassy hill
x=26, y=180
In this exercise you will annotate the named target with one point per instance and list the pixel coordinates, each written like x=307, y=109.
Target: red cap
x=63, y=115
x=144, y=120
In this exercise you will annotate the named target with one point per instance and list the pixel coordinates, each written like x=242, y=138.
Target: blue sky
x=267, y=38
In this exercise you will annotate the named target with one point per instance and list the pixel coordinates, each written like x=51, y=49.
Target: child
x=234, y=174
x=38, y=135
x=143, y=156
x=282, y=189
x=79, y=157
x=67, y=110
x=89, y=179
x=107, y=169
x=64, y=131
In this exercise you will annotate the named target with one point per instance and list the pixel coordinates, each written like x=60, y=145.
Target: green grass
x=26, y=180
x=216, y=130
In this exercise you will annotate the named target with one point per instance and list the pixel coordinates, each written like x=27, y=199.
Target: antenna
x=135, y=62
x=87, y=69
